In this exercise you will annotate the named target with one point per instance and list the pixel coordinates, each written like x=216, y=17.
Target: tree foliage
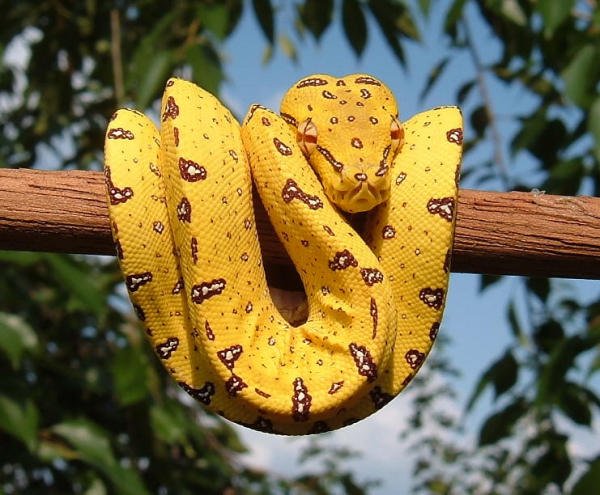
x=83, y=409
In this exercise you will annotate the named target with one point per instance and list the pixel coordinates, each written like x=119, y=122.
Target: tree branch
x=497, y=233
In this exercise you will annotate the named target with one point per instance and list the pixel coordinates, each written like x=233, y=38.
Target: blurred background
x=508, y=401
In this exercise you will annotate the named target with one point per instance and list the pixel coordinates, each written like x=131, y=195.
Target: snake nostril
x=361, y=176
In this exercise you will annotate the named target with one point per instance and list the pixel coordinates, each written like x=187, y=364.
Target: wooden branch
x=497, y=233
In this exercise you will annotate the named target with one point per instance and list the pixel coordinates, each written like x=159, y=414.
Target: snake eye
x=307, y=136
x=396, y=133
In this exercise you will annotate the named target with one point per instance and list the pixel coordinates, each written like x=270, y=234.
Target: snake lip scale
x=180, y=203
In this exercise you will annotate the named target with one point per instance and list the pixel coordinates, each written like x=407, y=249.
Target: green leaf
x=130, y=374
x=316, y=16
x=215, y=18
x=499, y=425
x=393, y=20
x=589, y=481
x=206, y=67
x=554, y=13
x=92, y=446
x=548, y=335
x=486, y=281
x=156, y=70
x=574, y=402
x=565, y=177
x=581, y=75
x=287, y=46
x=452, y=17
x=513, y=322
x=539, y=286
x=436, y=71
x=513, y=12
x=593, y=124
x=479, y=120
x=463, y=91
x=263, y=10
x=502, y=375
x=355, y=25
x=75, y=278
x=16, y=338
x=19, y=420
x=168, y=423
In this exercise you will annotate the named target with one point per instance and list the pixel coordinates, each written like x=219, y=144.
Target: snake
x=180, y=198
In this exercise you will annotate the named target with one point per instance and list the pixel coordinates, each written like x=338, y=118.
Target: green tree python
x=180, y=201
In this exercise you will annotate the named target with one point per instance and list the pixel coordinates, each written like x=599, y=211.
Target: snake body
x=180, y=202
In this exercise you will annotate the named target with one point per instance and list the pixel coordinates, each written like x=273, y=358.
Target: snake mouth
x=359, y=188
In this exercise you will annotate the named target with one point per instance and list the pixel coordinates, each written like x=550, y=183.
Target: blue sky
x=475, y=322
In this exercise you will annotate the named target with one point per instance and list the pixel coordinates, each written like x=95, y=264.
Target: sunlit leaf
x=16, y=338
x=93, y=447
x=19, y=419
x=581, y=75
x=554, y=14
x=215, y=17
x=206, y=67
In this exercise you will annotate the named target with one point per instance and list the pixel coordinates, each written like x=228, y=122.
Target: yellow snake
x=180, y=202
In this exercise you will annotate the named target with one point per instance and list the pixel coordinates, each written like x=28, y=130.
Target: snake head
x=349, y=131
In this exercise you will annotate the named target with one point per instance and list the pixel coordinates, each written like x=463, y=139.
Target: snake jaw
x=360, y=188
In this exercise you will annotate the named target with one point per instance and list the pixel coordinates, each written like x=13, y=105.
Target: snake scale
x=180, y=202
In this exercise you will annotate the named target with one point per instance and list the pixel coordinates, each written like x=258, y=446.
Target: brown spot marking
x=365, y=93
x=176, y=135
x=311, y=81
x=117, y=195
x=371, y=276
x=356, y=143
x=167, y=348
x=244, y=256
x=171, y=109
x=367, y=80
x=205, y=290
x=334, y=120
x=265, y=121
x=191, y=171
x=291, y=190
x=233, y=155
x=327, y=229
x=289, y=119
x=351, y=118
x=261, y=393
x=444, y=207
x=388, y=232
x=194, y=249
x=234, y=385
x=202, y=394
x=210, y=335
x=374, y=316
x=249, y=307
x=134, y=281
x=335, y=387
x=342, y=260
x=340, y=82
x=230, y=355
x=329, y=95
x=363, y=361
x=414, y=358
x=400, y=178
x=379, y=397
x=455, y=136
x=433, y=331
x=374, y=120
x=178, y=287
x=184, y=210
x=158, y=227
x=304, y=242
x=283, y=148
x=338, y=166
x=301, y=401
x=120, y=133
x=434, y=298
